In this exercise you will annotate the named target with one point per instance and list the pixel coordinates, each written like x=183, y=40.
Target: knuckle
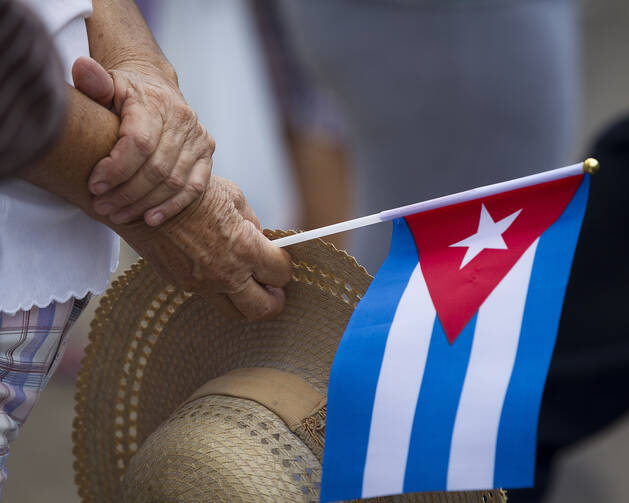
x=247, y=246
x=235, y=193
x=239, y=198
x=144, y=142
x=232, y=284
x=115, y=171
x=195, y=188
x=206, y=261
x=184, y=114
x=175, y=182
x=205, y=142
x=227, y=185
x=124, y=198
x=211, y=144
x=157, y=172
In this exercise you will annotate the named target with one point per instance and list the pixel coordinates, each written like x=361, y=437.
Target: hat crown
x=161, y=344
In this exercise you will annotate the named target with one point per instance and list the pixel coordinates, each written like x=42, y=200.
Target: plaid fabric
x=31, y=345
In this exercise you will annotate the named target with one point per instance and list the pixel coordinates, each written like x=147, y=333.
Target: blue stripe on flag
x=354, y=373
x=517, y=433
x=429, y=452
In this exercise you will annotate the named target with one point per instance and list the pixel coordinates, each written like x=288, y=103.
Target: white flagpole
x=590, y=166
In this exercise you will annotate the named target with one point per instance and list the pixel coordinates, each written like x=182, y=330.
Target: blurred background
x=256, y=75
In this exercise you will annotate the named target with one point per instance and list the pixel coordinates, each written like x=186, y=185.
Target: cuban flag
x=438, y=379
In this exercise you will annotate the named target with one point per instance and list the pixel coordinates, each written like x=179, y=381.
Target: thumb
x=93, y=80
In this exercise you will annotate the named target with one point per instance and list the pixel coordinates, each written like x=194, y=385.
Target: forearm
x=118, y=34
x=211, y=247
x=89, y=134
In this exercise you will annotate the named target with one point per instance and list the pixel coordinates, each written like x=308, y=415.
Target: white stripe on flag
x=397, y=390
x=473, y=448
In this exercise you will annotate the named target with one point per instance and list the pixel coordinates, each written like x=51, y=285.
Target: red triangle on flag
x=466, y=249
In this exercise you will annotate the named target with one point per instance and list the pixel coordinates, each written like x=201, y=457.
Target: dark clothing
x=589, y=374
x=32, y=89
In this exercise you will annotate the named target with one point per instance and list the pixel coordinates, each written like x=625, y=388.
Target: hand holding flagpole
x=589, y=166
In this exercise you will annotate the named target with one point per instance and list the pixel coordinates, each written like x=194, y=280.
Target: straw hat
x=178, y=403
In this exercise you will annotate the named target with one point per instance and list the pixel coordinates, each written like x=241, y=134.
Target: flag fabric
x=438, y=379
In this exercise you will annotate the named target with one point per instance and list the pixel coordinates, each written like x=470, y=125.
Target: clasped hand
x=197, y=231
x=162, y=160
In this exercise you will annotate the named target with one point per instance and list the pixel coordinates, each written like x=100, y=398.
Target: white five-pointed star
x=488, y=235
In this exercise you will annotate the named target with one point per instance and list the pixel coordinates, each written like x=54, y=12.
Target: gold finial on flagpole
x=591, y=166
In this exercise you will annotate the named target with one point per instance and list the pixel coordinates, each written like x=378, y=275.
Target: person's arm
x=162, y=160
x=89, y=133
x=119, y=34
x=213, y=246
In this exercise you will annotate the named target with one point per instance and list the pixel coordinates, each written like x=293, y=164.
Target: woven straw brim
x=152, y=345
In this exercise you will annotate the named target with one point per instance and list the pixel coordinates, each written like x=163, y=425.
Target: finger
x=273, y=265
x=140, y=135
x=158, y=213
x=160, y=168
x=166, y=201
x=93, y=80
x=257, y=302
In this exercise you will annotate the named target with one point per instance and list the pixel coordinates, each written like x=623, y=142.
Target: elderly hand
x=216, y=246
x=162, y=160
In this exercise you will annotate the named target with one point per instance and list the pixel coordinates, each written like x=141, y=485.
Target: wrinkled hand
x=216, y=246
x=163, y=158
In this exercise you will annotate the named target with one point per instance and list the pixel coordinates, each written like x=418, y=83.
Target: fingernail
x=103, y=208
x=120, y=218
x=99, y=188
x=155, y=219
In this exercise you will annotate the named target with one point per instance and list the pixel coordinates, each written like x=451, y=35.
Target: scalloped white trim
x=24, y=203
x=61, y=298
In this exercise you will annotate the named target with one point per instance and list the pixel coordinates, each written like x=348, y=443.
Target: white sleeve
x=65, y=19
x=58, y=13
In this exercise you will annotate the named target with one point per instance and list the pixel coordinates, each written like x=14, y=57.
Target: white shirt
x=49, y=249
